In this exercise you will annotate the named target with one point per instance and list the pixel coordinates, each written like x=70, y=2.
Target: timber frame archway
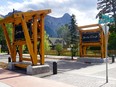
x=92, y=35
x=28, y=29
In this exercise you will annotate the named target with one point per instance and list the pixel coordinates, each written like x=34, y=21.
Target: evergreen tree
x=112, y=41
x=73, y=30
x=107, y=7
x=74, y=35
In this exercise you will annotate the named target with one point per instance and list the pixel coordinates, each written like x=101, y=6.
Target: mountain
x=1, y=16
x=52, y=24
x=10, y=13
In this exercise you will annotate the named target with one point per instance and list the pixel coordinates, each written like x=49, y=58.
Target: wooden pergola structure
x=92, y=35
x=28, y=29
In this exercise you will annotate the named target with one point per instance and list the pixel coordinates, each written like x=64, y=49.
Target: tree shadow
x=68, y=65
x=6, y=74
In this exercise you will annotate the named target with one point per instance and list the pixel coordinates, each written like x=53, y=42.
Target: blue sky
x=85, y=10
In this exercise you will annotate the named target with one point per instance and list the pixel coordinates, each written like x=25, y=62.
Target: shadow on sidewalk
x=65, y=65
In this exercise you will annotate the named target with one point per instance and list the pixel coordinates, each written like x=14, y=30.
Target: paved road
x=81, y=74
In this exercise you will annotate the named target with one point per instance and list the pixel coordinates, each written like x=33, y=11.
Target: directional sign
x=106, y=19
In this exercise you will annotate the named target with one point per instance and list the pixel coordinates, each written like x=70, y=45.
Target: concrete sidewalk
x=85, y=75
x=4, y=85
x=12, y=79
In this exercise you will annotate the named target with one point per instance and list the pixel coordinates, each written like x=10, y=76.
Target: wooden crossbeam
x=7, y=20
x=19, y=42
x=40, y=12
x=91, y=44
x=22, y=65
x=29, y=59
x=16, y=17
x=91, y=30
x=86, y=26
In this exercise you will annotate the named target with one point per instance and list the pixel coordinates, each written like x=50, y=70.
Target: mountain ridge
x=1, y=16
x=52, y=24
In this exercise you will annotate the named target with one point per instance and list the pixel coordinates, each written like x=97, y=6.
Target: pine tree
x=73, y=30
x=74, y=35
x=107, y=7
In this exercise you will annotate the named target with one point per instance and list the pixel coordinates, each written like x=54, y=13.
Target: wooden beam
x=20, y=53
x=28, y=41
x=35, y=37
x=13, y=17
x=14, y=53
x=80, y=43
x=19, y=42
x=102, y=45
x=32, y=13
x=91, y=55
x=91, y=44
x=86, y=26
x=8, y=19
x=22, y=65
x=28, y=59
x=84, y=50
x=7, y=39
x=42, y=40
x=91, y=30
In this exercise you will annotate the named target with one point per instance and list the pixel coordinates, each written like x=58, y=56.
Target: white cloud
x=85, y=10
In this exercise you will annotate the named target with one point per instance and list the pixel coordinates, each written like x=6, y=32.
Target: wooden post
x=35, y=37
x=102, y=45
x=20, y=53
x=42, y=39
x=28, y=41
x=7, y=40
x=14, y=52
x=80, y=49
x=84, y=50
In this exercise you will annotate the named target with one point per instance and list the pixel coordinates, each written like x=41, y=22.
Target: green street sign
x=106, y=19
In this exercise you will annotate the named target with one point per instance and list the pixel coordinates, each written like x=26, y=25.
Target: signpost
x=105, y=19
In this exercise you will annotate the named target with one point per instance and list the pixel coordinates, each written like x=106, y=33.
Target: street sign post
x=105, y=19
